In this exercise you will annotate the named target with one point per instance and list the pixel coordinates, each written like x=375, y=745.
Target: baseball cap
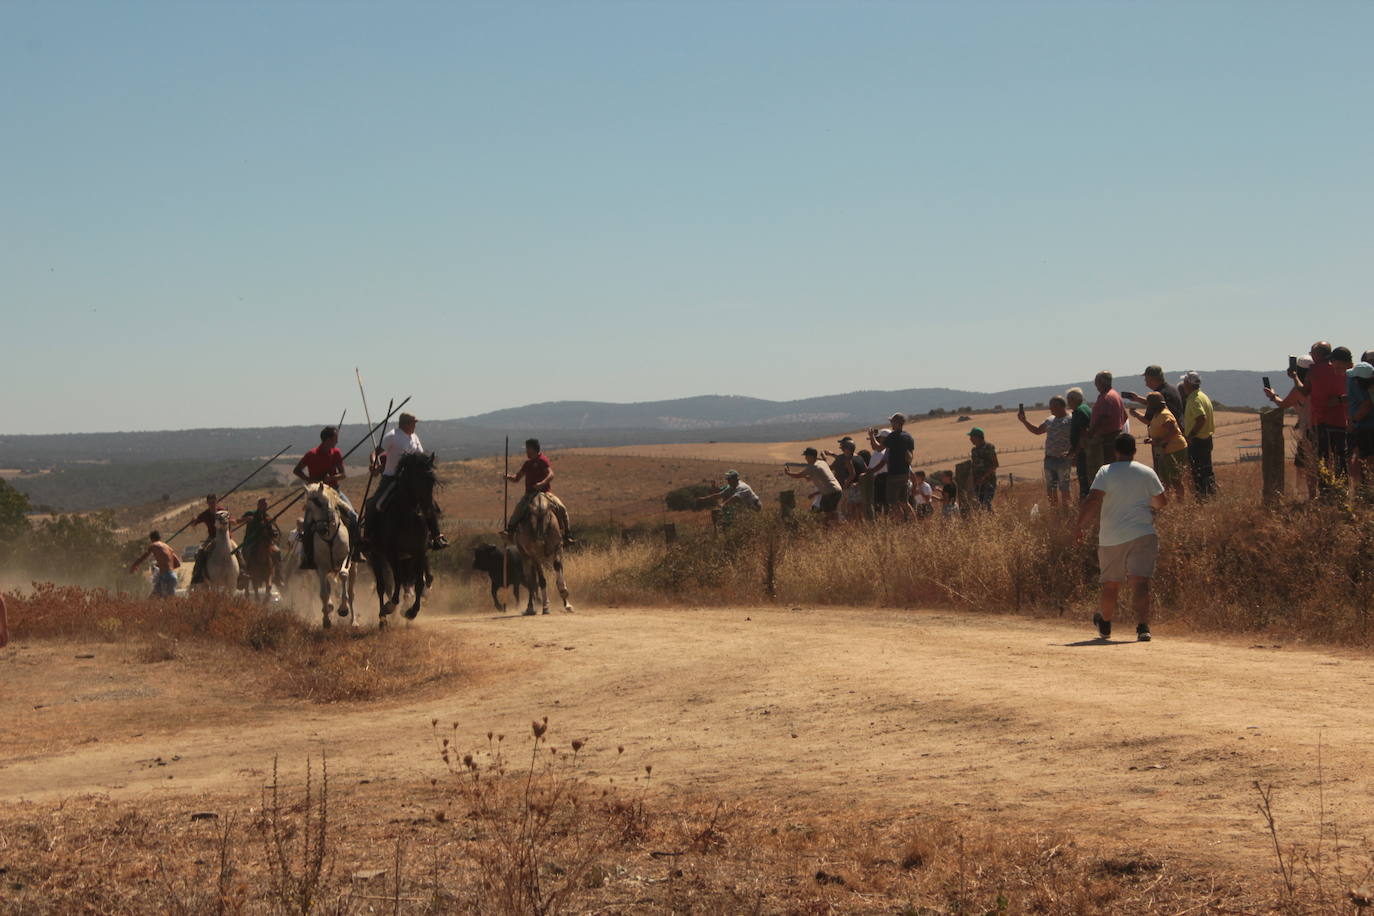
x=1305, y=362
x=810, y=452
x=977, y=431
x=732, y=475
x=1191, y=378
x=896, y=417
x=1361, y=370
x=847, y=440
x=883, y=433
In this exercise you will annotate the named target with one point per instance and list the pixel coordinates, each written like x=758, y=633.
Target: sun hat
x=1361, y=370
x=977, y=431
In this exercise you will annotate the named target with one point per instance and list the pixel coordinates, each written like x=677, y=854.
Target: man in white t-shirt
x=922, y=495
x=396, y=444
x=1124, y=498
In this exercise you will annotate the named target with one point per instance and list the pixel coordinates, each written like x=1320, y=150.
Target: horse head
x=321, y=507
x=416, y=474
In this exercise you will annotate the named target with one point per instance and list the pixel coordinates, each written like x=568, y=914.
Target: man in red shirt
x=325, y=464
x=210, y=520
x=1325, y=390
x=537, y=473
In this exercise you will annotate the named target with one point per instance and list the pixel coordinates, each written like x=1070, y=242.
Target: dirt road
x=1003, y=717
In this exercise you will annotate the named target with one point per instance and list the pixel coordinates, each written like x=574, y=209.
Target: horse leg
x=422, y=580
x=543, y=589
x=326, y=593
x=531, y=572
x=562, y=583
x=495, y=598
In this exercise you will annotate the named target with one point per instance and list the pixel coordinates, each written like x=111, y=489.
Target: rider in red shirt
x=325, y=464
x=537, y=472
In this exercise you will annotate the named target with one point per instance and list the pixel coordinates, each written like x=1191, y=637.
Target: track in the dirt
x=1002, y=717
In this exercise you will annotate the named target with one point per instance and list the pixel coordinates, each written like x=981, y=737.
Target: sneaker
x=438, y=542
x=1104, y=627
x=1142, y=632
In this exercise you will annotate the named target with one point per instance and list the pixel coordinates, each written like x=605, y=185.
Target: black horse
x=398, y=535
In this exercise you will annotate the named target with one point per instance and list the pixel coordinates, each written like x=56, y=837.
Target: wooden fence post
x=1272, y=454
x=963, y=479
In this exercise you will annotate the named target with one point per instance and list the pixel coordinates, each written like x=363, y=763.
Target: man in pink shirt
x=1098, y=442
x=1325, y=390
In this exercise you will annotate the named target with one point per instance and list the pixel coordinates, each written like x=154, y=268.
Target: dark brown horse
x=397, y=536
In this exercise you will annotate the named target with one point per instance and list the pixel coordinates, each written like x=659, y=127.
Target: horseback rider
x=325, y=464
x=537, y=472
x=260, y=528
x=210, y=520
x=396, y=444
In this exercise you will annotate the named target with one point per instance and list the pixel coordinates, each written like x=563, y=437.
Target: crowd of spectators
x=1334, y=445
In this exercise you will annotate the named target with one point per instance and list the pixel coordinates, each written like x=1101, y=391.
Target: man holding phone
x=1154, y=380
x=1325, y=390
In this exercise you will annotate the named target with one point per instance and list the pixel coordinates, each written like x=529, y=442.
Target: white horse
x=333, y=559
x=222, y=566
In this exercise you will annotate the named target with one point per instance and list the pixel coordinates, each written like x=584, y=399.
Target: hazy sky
x=211, y=212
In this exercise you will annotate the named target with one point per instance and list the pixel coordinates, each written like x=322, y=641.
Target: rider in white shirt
x=396, y=444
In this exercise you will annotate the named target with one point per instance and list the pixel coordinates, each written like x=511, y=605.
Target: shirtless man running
x=165, y=563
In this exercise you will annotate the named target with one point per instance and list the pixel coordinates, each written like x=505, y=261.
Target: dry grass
x=541, y=836
x=287, y=656
x=1303, y=570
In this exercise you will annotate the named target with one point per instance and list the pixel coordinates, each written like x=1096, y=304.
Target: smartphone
x=1265, y=379
x=1292, y=364
x=1021, y=407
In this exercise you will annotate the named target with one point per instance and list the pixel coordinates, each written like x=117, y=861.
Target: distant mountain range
x=567, y=424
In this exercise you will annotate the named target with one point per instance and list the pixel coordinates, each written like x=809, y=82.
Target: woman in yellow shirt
x=1170, y=449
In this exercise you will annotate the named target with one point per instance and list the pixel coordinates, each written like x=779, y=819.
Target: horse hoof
x=411, y=612
x=567, y=609
x=529, y=612
x=546, y=610
x=327, y=622
x=343, y=610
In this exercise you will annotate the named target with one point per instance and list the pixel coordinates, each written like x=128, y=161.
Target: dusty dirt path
x=1002, y=717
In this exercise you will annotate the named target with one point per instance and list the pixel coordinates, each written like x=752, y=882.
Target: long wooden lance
x=505, y=517
x=372, y=456
x=289, y=494
x=234, y=488
x=371, y=430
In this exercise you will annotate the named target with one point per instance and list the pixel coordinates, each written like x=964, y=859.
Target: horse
x=261, y=565
x=333, y=556
x=222, y=566
x=398, y=537
x=540, y=539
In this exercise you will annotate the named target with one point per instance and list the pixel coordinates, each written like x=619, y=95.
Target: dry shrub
x=340, y=665
x=1302, y=569
x=541, y=837
x=364, y=665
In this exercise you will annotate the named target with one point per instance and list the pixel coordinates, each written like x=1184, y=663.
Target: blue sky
x=214, y=211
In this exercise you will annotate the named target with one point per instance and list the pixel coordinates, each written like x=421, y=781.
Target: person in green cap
x=984, y=458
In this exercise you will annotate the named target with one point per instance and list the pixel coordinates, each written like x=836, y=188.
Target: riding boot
x=308, y=552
